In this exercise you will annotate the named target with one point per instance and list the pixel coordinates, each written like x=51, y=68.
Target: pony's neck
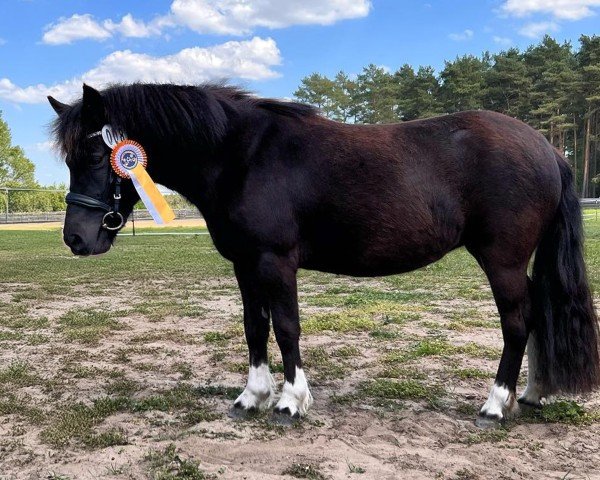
x=192, y=169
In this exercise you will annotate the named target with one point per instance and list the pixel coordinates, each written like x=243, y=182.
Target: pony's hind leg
x=534, y=394
x=260, y=389
x=510, y=289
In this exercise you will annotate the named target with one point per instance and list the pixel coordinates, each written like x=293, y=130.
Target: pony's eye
x=96, y=159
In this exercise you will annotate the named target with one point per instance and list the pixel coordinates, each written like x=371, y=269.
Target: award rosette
x=129, y=160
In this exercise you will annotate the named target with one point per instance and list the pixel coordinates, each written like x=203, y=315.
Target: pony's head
x=97, y=204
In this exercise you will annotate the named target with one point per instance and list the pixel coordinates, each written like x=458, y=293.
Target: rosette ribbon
x=129, y=160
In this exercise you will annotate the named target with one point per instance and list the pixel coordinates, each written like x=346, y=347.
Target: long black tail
x=565, y=325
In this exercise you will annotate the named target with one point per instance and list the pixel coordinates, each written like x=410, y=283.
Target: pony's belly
x=360, y=264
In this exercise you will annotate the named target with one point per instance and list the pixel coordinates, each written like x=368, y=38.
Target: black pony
x=282, y=188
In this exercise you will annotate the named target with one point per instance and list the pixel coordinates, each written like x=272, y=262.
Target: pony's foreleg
x=278, y=274
x=510, y=289
x=260, y=389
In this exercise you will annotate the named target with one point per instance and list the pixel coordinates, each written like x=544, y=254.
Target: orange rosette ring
x=125, y=156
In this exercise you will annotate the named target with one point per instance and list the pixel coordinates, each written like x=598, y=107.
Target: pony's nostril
x=77, y=245
x=72, y=239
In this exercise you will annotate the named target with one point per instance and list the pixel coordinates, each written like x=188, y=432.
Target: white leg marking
x=260, y=390
x=296, y=397
x=499, y=403
x=533, y=394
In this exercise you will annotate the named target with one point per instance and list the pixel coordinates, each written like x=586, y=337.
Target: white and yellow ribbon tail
x=150, y=195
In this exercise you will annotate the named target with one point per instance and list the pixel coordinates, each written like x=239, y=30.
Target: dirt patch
x=347, y=434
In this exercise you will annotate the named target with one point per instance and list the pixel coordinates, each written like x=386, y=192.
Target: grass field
x=125, y=365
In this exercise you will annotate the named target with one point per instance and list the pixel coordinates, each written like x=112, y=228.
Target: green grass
x=470, y=318
x=165, y=335
x=219, y=338
x=122, y=387
x=368, y=314
x=344, y=321
x=486, y=436
x=304, y=470
x=222, y=391
x=144, y=259
x=20, y=405
x=167, y=464
x=15, y=316
x=87, y=326
x=156, y=308
x=76, y=421
x=470, y=373
x=401, y=390
x=323, y=365
x=441, y=348
x=19, y=374
x=564, y=411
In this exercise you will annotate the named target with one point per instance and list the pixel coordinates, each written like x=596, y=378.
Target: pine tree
x=507, y=85
x=375, y=96
x=344, y=90
x=588, y=59
x=318, y=90
x=463, y=83
x=417, y=93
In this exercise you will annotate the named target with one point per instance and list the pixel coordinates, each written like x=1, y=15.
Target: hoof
x=283, y=416
x=238, y=412
x=487, y=422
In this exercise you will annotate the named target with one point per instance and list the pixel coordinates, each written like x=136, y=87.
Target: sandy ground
x=187, y=222
x=356, y=439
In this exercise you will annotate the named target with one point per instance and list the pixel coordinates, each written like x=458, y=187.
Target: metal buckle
x=109, y=216
x=95, y=134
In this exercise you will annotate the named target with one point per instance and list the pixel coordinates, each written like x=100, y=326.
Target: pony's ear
x=58, y=107
x=93, y=104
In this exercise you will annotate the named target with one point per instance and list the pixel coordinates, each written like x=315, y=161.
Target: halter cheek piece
x=113, y=220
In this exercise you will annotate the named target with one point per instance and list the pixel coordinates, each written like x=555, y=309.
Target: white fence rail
x=45, y=217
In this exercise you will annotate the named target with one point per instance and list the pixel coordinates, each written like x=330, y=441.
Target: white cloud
x=223, y=17
x=80, y=27
x=537, y=29
x=2, y=42
x=560, y=9
x=238, y=17
x=461, y=37
x=130, y=27
x=249, y=59
x=504, y=41
x=77, y=27
x=46, y=147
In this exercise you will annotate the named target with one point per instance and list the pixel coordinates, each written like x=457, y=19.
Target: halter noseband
x=112, y=213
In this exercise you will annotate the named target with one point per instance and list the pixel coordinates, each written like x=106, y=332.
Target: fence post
x=6, y=213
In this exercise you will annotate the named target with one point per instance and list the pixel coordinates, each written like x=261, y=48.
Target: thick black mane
x=171, y=112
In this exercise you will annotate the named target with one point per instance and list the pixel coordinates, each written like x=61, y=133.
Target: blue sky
x=268, y=46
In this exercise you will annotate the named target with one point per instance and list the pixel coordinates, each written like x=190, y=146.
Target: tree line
x=17, y=171
x=553, y=87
